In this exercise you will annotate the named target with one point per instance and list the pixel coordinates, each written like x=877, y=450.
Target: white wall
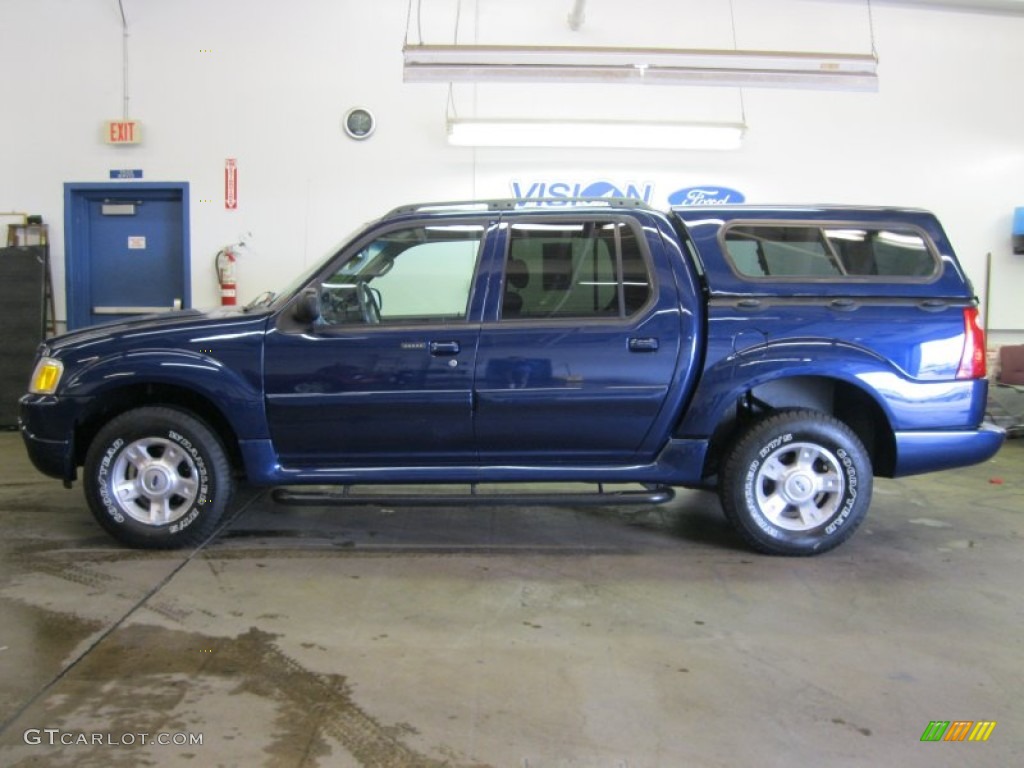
x=945, y=131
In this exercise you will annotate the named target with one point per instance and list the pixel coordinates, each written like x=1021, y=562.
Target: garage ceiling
x=998, y=6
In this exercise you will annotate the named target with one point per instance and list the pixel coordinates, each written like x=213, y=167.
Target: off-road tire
x=157, y=478
x=796, y=482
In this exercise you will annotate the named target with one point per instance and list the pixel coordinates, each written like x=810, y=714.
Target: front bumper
x=51, y=450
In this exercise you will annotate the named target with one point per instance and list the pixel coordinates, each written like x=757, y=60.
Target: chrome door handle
x=843, y=305
x=443, y=348
x=647, y=344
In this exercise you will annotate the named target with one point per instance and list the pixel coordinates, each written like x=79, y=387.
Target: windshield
x=275, y=300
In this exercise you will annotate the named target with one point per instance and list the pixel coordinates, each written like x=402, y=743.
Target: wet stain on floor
x=35, y=643
x=142, y=678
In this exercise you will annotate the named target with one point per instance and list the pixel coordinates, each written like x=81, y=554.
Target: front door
x=384, y=376
x=126, y=250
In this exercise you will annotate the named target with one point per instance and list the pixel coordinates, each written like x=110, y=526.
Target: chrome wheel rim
x=154, y=481
x=799, y=486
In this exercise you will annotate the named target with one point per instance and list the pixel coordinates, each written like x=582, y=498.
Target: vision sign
x=550, y=192
x=559, y=188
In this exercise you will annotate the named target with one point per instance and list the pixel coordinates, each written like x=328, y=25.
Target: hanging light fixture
x=649, y=66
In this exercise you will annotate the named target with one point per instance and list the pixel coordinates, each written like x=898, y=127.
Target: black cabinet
x=22, y=275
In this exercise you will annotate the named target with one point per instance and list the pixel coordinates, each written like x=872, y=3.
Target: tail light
x=972, y=361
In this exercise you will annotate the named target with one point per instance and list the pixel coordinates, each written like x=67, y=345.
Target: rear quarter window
x=829, y=251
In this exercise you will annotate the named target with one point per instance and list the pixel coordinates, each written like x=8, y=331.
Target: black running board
x=344, y=496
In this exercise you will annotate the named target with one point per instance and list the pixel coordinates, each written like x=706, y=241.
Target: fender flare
x=730, y=378
x=237, y=400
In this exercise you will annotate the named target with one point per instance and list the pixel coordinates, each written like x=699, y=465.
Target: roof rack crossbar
x=516, y=203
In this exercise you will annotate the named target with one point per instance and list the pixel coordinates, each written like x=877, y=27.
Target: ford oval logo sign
x=707, y=195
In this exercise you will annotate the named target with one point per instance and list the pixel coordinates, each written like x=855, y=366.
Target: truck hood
x=157, y=324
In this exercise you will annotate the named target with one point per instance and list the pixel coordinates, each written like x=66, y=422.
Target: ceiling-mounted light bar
x=650, y=66
x=593, y=134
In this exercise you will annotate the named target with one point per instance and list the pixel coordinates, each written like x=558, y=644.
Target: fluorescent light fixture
x=651, y=66
x=903, y=240
x=851, y=235
x=592, y=134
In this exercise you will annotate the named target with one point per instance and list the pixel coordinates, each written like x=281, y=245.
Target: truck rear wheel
x=157, y=478
x=797, y=482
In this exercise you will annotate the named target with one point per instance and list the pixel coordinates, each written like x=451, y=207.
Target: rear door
x=580, y=342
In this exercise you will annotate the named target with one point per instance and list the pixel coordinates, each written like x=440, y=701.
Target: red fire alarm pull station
x=230, y=184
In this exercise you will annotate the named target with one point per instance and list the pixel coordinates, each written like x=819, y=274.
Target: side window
x=890, y=252
x=417, y=275
x=780, y=251
x=833, y=252
x=574, y=270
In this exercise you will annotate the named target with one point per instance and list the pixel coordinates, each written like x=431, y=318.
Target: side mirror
x=307, y=309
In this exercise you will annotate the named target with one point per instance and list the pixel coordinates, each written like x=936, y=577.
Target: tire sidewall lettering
x=850, y=496
x=103, y=478
x=750, y=483
x=750, y=498
x=204, y=482
x=774, y=444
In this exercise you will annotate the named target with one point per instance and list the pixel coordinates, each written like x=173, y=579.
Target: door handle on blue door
x=844, y=305
x=441, y=348
x=647, y=344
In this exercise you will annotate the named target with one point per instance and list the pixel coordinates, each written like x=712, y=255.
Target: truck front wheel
x=157, y=478
x=797, y=482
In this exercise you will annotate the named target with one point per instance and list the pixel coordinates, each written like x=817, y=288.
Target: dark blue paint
x=377, y=395
x=566, y=400
x=703, y=224
x=573, y=391
x=216, y=355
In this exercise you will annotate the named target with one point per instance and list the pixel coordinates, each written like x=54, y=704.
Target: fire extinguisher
x=225, y=263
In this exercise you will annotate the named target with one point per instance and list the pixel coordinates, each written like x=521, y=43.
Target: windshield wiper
x=263, y=300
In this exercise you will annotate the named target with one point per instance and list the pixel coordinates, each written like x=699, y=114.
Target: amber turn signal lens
x=46, y=376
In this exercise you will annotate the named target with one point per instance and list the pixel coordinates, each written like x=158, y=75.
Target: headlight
x=46, y=376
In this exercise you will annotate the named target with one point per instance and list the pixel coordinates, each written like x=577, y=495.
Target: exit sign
x=123, y=132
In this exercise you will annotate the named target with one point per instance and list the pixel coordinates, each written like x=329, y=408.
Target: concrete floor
x=521, y=637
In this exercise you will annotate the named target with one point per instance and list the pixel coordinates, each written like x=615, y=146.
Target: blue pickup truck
x=783, y=355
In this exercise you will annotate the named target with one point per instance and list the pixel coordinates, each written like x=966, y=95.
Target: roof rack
x=517, y=203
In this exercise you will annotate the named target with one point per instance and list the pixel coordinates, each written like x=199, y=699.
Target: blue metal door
x=126, y=251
